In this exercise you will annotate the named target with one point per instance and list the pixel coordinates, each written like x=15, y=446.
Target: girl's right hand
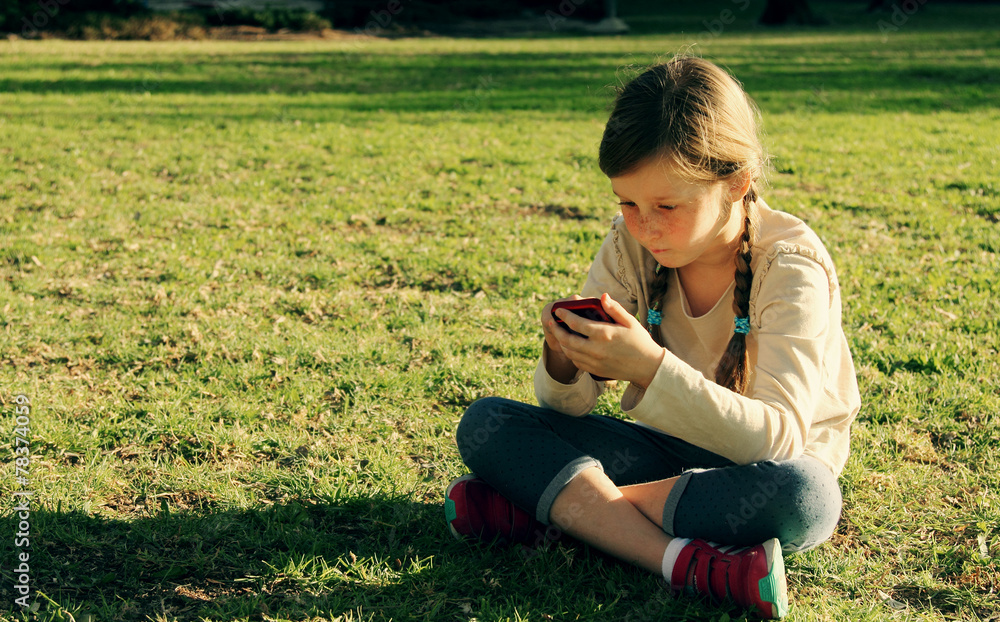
x=559, y=366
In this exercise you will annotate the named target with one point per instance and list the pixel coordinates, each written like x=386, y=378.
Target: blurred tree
x=29, y=17
x=780, y=12
x=353, y=13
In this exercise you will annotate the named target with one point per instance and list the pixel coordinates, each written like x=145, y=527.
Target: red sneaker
x=749, y=576
x=474, y=509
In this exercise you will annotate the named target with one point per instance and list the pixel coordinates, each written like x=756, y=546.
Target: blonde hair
x=694, y=114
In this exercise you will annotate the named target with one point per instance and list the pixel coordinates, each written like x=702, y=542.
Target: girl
x=728, y=331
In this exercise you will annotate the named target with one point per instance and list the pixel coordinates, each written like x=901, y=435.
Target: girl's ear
x=739, y=185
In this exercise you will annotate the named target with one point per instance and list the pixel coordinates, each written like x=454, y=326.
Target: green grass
x=249, y=289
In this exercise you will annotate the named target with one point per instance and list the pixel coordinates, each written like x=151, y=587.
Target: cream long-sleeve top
x=803, y=391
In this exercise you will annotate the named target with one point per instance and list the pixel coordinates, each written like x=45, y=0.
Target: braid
x=732, y=371
x=657, y=291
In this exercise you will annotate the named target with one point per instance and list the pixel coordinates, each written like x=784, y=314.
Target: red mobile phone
x=589, y=308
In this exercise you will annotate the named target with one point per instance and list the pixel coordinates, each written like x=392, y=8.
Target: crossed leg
x=592, y=509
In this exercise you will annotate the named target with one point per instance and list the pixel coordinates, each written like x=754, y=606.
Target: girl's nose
x=648, y=230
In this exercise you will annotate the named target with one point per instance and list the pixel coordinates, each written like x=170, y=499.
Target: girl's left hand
x=623, y=351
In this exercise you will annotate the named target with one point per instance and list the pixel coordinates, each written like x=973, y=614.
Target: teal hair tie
x=654, y=317
x=742, y=325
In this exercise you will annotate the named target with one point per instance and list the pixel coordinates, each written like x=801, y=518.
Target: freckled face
x=680, y=223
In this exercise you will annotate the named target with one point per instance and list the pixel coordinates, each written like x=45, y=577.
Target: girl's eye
x=631, y=204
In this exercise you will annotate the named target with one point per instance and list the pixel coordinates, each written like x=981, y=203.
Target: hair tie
x=653, y=318
x=653, y=315
x=742, y=325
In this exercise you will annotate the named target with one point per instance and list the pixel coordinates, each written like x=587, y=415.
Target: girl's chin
x=663, y=258
x=669, y=262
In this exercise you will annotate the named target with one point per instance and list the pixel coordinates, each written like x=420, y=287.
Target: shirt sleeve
x=609, y=273
x=576, y=398
x=772, y=422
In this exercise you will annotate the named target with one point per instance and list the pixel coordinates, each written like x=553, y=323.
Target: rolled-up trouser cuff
x=559, y=482
x=670, y=506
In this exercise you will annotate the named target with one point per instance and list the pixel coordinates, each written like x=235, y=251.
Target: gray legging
x=529, y=454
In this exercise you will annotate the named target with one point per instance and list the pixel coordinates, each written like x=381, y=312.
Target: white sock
x=670, y=558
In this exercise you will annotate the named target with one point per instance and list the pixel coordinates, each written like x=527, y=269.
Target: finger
x=553, y=328
x=572, y=345
x=547, y=313
x=548, y=322
x=583, y=361
x=552, y=340
x=549, y=325
x=616, y=311
x=590, y=329
x=573, y=321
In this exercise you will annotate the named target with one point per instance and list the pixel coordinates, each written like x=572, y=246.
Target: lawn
x=249, y=289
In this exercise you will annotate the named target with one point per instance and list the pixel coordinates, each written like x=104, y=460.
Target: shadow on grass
x=381, y=558
x=293, y=558
x=365, y=559
x=469, y=82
